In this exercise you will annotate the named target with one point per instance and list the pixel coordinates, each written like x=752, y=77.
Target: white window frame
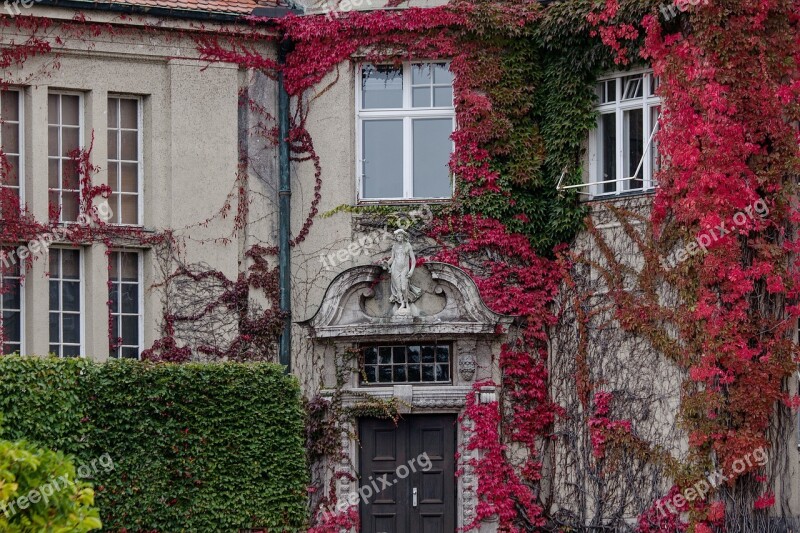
x=140, y=303
x=21, y=279
x=407, y=113
x=618, y=107
x=81, y=145
x=21, y=126
x=140, y=162
x=82, y=306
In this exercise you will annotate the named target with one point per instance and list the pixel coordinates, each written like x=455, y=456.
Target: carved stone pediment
x=358, y=303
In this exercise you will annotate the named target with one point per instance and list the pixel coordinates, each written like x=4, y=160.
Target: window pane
x=130, y=330
x=130, y=298
x=113, y=119
x=654, y=159
x=112, y=145
x=71, y=328
x=12, y=178
x=129, y=113
x=129, y=209
x=381, y=87
x=633, y=131
x=71, y=351
x=443, y=97
x=11, y=296
x=70, y=205
x=70, y=140
x=11, y=326
x=130, y=145
x=9, y=135
x=421, y=97
x=130, y=177
x=607, y=137
x=70, y=106
x=371, y=355
x=54, y=328
x=11, y=348
x=427, y=354
x=130, y=353
x=53, y=107
x=383, y=158
x=432, y=149
x=442, y=74
x=71, y=296
x=130, y=266
x=385, y=355
x=607, y=91
x=70, y=264
x=632, y=87
x=9, y=100
x=421, y=74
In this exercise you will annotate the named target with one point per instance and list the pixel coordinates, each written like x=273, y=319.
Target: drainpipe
x=284, y=213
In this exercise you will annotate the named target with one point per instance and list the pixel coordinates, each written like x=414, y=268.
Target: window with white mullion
x=125, y=159
x=66, y=302
x=11, y=302
x=621, y=145
x=65, y=135
x=125, y=304
x=11, y=145
x=405, y=118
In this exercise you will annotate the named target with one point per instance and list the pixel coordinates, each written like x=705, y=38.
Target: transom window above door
x=405, y=119
x=409, y=363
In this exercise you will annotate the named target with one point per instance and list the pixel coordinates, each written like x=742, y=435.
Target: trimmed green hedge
x=196, y=447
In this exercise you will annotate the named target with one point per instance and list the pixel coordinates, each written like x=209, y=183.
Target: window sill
x=405, y=201
x=620, y=196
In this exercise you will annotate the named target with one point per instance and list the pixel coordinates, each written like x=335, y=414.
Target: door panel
x=385, y=448
x=435, y=436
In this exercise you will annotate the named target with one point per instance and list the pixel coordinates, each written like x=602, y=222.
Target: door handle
x=414, y=497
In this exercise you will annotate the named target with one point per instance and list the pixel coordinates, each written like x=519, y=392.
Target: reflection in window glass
x=627, y=116
x=381, y=87
x=123, y=295
x=64, y=141
x=10, y=302
x=424, y=363
x=124, y=159
x=432, y=147
x=383, y=158
x=65, y=302
x=11, y=146
x=406, y=118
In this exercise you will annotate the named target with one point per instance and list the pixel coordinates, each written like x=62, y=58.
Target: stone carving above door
x=359, y=303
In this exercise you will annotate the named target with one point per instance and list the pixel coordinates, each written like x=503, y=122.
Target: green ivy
x=196, y=447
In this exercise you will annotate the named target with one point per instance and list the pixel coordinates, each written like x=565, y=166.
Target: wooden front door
x=411, y=470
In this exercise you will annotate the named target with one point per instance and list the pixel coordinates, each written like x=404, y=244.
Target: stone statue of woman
x=401, y=266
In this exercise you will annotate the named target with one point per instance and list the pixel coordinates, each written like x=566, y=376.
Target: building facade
x=186, y=152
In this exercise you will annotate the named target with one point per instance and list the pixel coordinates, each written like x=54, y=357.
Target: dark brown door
x=410, y=471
